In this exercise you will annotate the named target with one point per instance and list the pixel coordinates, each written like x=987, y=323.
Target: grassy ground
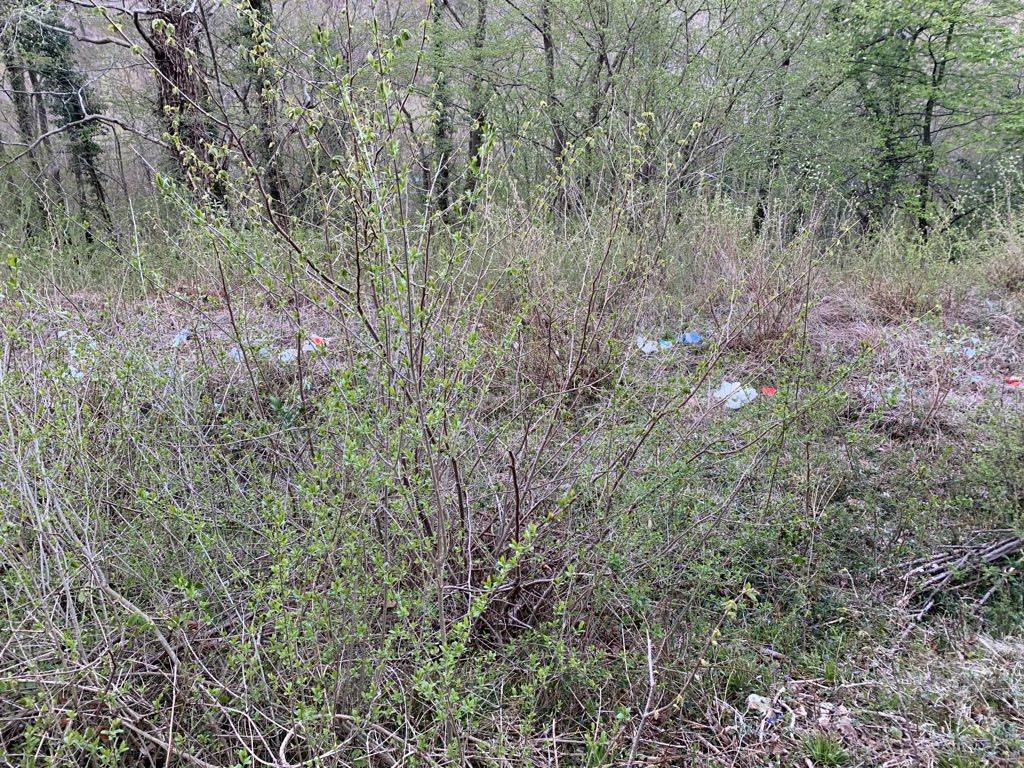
x=472, y=523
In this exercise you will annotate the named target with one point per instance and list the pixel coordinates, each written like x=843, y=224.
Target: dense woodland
x=500, y=383
x=867, y=110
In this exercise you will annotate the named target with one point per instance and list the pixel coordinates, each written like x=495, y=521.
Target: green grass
x=825, y=751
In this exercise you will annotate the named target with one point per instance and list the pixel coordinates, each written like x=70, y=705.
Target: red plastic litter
x=769, y=391
x=1013, y=381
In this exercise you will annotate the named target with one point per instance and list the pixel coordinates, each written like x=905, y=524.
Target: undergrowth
x=476, y=525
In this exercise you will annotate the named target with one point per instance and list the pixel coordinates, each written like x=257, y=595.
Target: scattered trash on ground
x=759, y=704
x=734, y=395
x=181, y=337
x=313, y=345
x=663, y=344
x=645, y=345
x=969, y=351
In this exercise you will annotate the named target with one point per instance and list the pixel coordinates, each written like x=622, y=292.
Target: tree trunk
x=75, y=110
x=927, y=170
x=260, y=23
x=183, y=96
x=443, y=146
x=774, y=154
x=22, y=101
x=477, y=104
x=48, y=158
x=557, y=131
x=598, y=86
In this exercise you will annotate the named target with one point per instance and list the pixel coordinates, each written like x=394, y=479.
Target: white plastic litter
x=759, y=704
x=645, y=345
x=289, y=355
x=734, y=395
x=235, y=354
x=181, y=337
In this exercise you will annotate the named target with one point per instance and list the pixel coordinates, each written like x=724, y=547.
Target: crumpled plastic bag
x=647, y=346
x=734, y=395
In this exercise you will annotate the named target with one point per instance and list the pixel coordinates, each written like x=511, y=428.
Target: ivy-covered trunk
x=477, y=102
x=258, y=19
x=54, y=72
x=183, y=98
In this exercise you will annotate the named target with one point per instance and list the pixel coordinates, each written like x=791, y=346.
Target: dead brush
x=956, y=571
x=575, y=311
x=902, y=278
x=896, y=300
x=760, y=290
x=917, y=405
x=1004, y=266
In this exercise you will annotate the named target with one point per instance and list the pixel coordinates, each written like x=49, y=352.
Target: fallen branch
x=952, y=571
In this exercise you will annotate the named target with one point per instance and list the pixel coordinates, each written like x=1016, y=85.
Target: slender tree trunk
x=47, y=155
x=601, y=63
x=927, y=169
x=260, y=24
x=94, y=182
x=774, y=155
x=557, y=131
x=598, y=86
x=22, y=101
x=881, y=191
x=477, y=103
x=443, y=146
